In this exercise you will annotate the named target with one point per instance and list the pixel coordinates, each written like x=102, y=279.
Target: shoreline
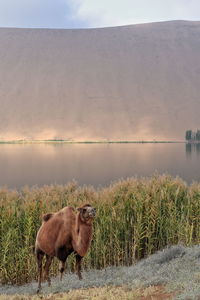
x=88, y=142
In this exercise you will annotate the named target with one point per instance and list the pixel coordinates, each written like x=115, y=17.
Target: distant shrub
x=192, y=135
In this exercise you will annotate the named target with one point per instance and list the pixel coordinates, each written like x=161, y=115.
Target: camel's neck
x=82, y=236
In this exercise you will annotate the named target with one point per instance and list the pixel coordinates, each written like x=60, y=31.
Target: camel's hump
x=67, y=209
x=64, y=210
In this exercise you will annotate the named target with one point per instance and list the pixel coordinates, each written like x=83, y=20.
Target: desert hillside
x=139, y=82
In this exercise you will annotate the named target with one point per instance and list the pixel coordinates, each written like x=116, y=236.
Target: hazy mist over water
x=94, y=164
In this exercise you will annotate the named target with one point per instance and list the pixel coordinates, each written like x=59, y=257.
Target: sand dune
x=139, y=82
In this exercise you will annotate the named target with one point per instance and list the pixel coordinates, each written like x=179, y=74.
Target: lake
x=94, y=164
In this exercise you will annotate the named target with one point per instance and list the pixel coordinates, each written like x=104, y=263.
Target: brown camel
x=62, y=233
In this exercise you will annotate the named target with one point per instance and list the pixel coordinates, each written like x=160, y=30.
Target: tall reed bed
x=135, y=217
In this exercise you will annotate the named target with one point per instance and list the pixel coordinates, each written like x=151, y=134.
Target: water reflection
x=94, y=164
x=188, y=149
x=191, y=148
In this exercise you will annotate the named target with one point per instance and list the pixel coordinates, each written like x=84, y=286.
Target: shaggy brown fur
x=61, y=234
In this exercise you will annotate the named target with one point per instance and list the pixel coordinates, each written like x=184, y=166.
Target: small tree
x=188, y=135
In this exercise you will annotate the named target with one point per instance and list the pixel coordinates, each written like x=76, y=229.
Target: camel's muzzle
x=92, y=213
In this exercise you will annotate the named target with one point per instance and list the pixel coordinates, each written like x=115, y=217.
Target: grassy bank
x=174, y=271
x=135, y=218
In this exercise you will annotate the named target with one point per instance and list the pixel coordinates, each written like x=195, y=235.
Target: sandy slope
x=177, y=268
x=129, y=82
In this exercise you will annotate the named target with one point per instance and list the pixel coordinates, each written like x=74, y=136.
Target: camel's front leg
x=78, y=266
x=61, y=268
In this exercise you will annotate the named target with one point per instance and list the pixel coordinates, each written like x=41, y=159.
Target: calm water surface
x=94, y=164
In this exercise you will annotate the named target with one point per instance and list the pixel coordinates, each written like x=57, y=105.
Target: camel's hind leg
x=39, y=256
x=78, y=266
x=46, y=268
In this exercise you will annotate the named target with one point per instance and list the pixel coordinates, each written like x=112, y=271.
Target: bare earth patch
x=156, y=293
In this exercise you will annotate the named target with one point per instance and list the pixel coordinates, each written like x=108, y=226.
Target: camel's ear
x=81, y=209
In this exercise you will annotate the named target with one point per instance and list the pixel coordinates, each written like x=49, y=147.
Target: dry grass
x=135, y=218
x=102, y=293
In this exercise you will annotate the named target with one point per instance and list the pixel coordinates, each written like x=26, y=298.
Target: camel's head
x=87, y=212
